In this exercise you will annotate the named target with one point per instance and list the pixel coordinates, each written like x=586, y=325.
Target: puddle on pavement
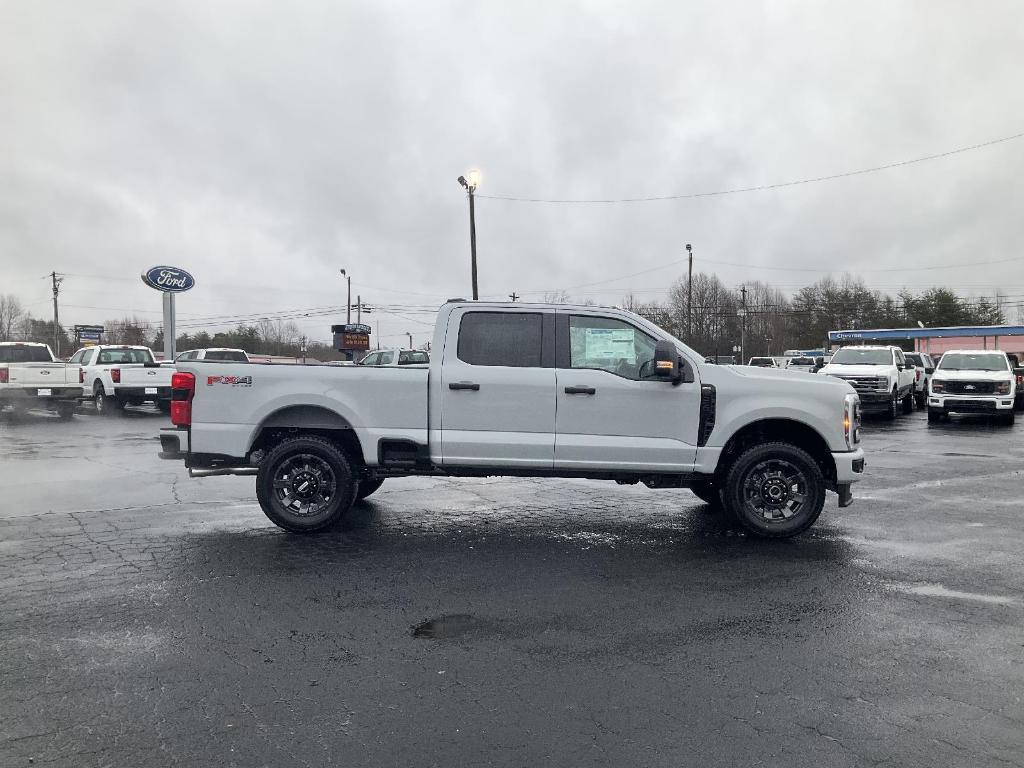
x=937, y=590
x=450, y=625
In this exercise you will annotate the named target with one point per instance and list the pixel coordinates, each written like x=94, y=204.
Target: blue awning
x=970, y=331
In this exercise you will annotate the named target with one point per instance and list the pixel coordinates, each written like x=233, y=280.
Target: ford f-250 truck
x=882, y=376
x=31, y=377
x=525, y=390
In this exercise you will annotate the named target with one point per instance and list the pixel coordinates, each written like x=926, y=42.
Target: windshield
x=967, y=361
x=801, y=361
x=413, y=358
x=126, y=356
x=228, y=355
x=858, y=356
x=762, y=361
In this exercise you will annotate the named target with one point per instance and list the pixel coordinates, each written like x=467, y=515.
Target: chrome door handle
x=580, y=391
x=464, y=385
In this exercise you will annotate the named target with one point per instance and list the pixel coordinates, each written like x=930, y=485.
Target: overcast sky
x=263, y=146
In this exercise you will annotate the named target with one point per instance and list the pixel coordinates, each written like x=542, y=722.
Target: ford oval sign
x=168, y=279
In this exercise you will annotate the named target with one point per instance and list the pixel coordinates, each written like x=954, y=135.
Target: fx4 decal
x=234, y=381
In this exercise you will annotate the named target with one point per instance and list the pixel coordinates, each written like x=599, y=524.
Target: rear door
x=612, y=414
x=498, y=389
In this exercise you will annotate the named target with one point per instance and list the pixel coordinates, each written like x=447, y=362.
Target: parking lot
x=150, y=619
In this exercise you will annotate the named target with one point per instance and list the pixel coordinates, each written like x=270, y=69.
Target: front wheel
x=892, y=408
x=775, y=490
x=1007, y=419
x=934, y=415
x=305, y=484
x=908, y=402
x=922, y=399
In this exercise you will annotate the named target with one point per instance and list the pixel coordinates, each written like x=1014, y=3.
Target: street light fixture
x=470, y=186
x=348, y=304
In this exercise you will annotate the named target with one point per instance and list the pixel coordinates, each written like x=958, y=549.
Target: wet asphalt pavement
x=149, y=619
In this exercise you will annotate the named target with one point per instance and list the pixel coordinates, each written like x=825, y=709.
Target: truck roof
x=22, y=344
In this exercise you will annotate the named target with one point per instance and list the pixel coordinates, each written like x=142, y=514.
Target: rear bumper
x=26, y=394
x=139, y=393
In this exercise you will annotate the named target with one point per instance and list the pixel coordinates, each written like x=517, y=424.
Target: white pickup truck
x=882, y=376
x=973, y=381
x=525, y=390
x=121, y=375
x=31, y=377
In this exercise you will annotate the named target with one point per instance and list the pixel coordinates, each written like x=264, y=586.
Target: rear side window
x=24, y=354
x=124, y=356
x=511, y=339
x=229, y=356
x=413, y=358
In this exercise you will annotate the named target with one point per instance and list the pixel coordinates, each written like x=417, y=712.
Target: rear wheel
x=305, y=484
x=892, y=408
x=775, y=490
x=104, y=405
x=368, y=487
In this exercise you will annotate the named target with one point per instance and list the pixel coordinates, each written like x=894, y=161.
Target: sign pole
x=169, y=332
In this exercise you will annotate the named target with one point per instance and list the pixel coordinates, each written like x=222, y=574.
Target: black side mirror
x=667, y=362
x=929, y=371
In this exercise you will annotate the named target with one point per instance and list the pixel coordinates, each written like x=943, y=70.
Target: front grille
x=866, y=383
x=971, y=387
x=971, y=406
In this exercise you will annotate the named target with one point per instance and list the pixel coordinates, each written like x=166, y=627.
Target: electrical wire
x=758, y=188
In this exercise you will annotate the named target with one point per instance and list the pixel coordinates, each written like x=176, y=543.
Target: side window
x=87, y=356
x=900, y=359
x=76, y=358
x=610, y=345
x=511, y=339
x=371, y=359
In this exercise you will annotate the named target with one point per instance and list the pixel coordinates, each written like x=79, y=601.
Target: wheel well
x=781, y=431
x=307, y=420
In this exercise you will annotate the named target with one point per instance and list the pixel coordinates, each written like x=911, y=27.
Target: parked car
x=1018, y=372
x=122, y=375
x=924, y=367
x=544, y=390
x=973, y=381
x=222, y=354
x=31, y=377
x=805, y=364
x=763, y=362
x=881, y=376
x=392, y=357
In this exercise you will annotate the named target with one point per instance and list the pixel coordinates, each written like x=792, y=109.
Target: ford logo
x=969, y=386
x=168, y=279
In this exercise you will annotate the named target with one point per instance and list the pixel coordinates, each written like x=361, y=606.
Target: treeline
x=777, y=322
x=771, y=320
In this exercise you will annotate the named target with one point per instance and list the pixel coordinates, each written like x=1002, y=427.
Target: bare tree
x=11, y=315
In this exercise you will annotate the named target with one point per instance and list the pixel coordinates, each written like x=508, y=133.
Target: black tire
x=368, y=487
x=104, y=405
x=893, y=407
x=291, y=469
x=706, y=491
x=774, y=490
x=934, y=415
x=908, y=402
x=65, y=411
x=922, y=399
x=1007, y=419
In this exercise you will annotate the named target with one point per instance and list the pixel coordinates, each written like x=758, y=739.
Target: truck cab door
x=612, y=414
x=497, y=389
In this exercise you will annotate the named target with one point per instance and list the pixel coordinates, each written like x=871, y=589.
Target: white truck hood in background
x=972, y=376
x=775, y=374
x=857, y=370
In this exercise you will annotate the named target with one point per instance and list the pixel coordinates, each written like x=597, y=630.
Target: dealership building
x=935, y=341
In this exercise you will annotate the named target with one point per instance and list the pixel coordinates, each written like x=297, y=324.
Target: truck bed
x=233, y=400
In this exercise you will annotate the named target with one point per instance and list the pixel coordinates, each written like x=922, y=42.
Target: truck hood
x=857, y=370
x=972, y=376
x=797, y=378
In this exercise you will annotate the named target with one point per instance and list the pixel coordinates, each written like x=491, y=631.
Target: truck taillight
x=918, y=374
x=115, y=375
x=5, y=376
x=183, y=389
x=81, y=375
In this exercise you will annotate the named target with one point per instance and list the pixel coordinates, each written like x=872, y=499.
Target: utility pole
x=359, y=309
x=470, y=184
x=57, y=280
x=514, y=296
x=410, y=339
x=689, y=296
x=348, y=304
x=743, y=325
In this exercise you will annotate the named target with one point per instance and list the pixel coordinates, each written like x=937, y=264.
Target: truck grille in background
x=970, y=387
x=866, y=383
x=971, y=406
x=708, y=406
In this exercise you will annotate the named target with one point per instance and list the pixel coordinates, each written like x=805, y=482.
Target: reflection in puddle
x=937, y=590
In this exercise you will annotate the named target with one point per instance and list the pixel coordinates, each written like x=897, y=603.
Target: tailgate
x=142, y=376
x=40, y=375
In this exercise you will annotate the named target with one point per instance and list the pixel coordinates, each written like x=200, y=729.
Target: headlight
x=851, y=420
x=938, y=386
x=1003, y=388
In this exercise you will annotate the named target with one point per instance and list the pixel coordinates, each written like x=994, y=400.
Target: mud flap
x=845, y=495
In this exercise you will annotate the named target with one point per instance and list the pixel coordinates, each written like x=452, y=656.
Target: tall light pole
x=470, y=182
x=689, y=297
x=348, y=304
x=410, y=339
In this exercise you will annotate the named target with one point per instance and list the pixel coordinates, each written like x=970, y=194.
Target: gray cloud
x=263, y=146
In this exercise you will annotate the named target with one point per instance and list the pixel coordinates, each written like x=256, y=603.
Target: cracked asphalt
x=149, y=619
